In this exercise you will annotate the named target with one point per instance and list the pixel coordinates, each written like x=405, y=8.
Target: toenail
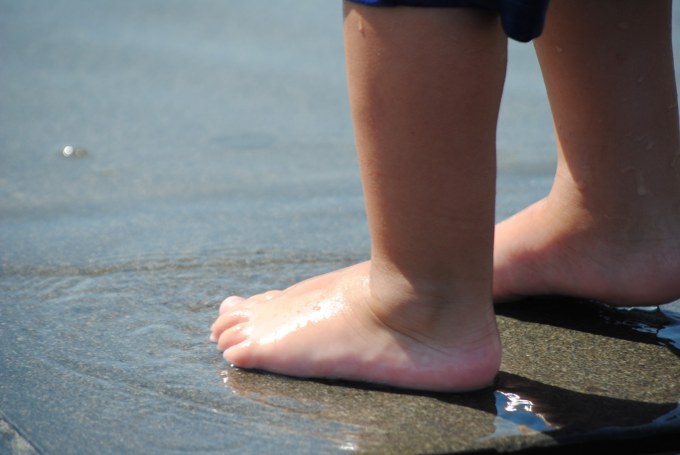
x=229, y=302
x=232, y=300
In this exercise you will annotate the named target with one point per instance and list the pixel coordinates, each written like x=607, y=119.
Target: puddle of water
x=518, y=411
x=661, y=322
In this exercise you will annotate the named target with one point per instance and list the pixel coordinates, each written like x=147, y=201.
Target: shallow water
x=219, y=160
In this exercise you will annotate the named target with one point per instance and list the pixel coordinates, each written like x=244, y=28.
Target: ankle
x=431, y=310
x=633, y=192
x=623, y=221
x=391, y=285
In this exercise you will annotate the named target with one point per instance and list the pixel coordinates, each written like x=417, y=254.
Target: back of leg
x=608, y=68
x=610, y=227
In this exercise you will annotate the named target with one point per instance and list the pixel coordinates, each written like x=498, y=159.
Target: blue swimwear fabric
x=522, y=20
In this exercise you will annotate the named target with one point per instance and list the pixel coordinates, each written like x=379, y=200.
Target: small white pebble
x=70, y=151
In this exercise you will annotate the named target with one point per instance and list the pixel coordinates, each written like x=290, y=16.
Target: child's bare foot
x=552, y=248
x=332, y=326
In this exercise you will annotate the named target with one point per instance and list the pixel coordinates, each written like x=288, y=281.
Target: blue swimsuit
x=522, y=19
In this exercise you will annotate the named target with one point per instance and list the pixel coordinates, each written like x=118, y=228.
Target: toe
x=240, y=355
x=233, y=336
x=230, y=302
x=225, y=321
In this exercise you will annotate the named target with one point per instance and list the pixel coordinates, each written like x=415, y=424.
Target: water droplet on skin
x=559, y=49
x=641, y=188
x=676, y=159
x=650, y=145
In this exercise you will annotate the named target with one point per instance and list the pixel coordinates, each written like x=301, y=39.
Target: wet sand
x=219, y=159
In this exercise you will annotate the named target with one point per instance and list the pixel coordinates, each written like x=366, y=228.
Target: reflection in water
x=371, y=418
x=658, y=321
x=510, y=407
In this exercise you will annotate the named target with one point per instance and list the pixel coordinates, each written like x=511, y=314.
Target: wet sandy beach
x=217, y=158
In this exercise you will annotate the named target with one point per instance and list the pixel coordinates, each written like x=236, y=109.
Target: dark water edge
x=12, y=441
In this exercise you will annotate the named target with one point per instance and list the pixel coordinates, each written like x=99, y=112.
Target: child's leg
x=425, y=86
x=610, y=228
